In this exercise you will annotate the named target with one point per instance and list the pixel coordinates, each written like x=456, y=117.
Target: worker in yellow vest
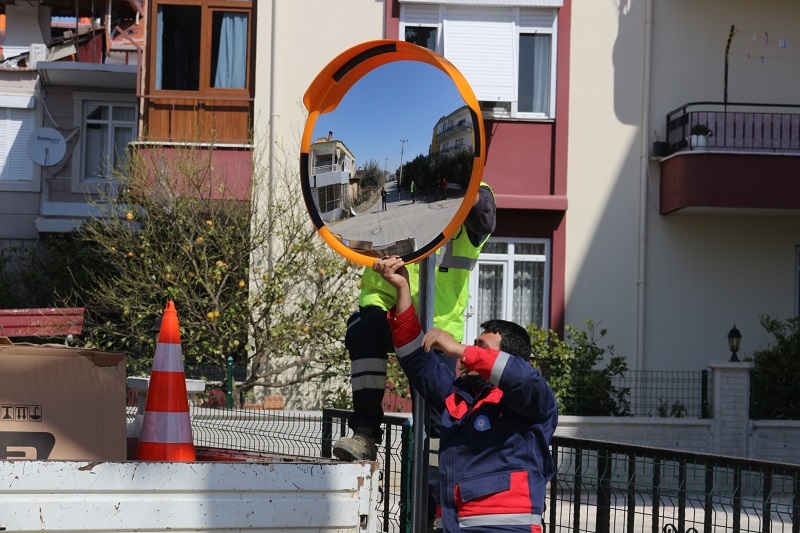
x=368, y=339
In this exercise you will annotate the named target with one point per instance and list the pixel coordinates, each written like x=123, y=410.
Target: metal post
x=421, y=414
x=704, y=395
x=230, y=383
x=725, y=95
x=754, y=414
x=327, y=434
x=406, y=451
x=604, y=491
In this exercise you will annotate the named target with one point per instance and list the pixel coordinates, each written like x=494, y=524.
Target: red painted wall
x=526, y=165
x=519, y=158
x=234, y=168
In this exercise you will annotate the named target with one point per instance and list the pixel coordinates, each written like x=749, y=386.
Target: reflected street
x=419, y=220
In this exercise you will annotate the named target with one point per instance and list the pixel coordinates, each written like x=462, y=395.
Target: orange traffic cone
x=166, y=433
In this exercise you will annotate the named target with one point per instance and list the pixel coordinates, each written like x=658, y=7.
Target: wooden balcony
x=193, y=119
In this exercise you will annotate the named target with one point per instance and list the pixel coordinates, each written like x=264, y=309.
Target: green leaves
x=778, y=368
x=572, y=369
x=249, y=280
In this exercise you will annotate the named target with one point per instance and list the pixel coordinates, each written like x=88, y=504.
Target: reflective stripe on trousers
x=501, y=520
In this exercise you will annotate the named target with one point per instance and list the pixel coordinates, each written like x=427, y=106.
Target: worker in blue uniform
x=498, y=416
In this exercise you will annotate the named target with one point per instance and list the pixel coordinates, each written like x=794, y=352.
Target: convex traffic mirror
x=392, y=151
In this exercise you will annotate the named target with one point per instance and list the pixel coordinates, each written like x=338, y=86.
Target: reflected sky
x=400, y=100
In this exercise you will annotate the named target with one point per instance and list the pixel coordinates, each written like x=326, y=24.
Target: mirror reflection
x=390, y=165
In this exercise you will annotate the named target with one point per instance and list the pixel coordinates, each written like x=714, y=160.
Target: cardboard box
x=61, y=403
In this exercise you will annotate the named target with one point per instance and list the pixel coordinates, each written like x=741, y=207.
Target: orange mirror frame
x=326, y=92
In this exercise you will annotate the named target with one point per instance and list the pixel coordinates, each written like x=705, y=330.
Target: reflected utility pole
x=402, y=148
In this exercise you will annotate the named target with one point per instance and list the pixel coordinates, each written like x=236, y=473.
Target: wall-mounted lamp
x=734, y=342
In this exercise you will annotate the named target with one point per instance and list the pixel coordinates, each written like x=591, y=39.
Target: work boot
x=360, y=447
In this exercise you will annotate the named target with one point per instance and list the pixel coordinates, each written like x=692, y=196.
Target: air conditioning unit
x=37, y=52
x=495, y=109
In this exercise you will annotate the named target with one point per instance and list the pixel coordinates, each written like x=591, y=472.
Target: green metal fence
x=649, y=393
x=611, y=487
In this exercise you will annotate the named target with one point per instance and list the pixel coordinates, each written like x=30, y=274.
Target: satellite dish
x=46, y=147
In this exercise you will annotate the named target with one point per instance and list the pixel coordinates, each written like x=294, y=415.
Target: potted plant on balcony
x=660, y=148
x=698, y=135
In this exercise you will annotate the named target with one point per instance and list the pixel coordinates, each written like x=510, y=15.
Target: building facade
x=666, y=253
x=669, y=253
x=68, y=109
x=666, y=247
x=509, y=54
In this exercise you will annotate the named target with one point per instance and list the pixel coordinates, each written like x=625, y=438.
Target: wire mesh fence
x=649, y=393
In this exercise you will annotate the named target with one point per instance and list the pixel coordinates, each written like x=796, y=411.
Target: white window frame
x=507, y=261
x=82, y=182
x=535, y=29
x=35, y=176
x=517, y=18
x=424, y=17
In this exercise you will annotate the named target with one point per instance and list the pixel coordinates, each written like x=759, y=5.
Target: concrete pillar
x=730, y=406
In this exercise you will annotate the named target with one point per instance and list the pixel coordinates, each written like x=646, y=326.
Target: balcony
x=749, y=163
x=324, y=175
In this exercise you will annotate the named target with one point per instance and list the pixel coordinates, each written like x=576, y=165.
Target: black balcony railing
x=735, y=126
x=617, y=488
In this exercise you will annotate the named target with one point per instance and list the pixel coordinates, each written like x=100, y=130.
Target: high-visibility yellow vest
x=454, y=262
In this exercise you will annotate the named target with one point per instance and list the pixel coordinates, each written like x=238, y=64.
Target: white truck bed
x=224, y=491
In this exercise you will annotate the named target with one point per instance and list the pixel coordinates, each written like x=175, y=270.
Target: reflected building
x=332, y=177
x=452, y=132
x=452, y=144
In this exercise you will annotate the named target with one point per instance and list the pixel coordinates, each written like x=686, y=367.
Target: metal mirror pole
x=420, y=412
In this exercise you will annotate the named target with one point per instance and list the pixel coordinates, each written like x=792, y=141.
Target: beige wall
x=308, y=35
x=603, y=177
x=705, y=272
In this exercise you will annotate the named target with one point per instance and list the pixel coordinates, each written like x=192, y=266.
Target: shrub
x=250, y=279
x=571, y=369
x=778, y=368
x=676, y=410
x=44, y=273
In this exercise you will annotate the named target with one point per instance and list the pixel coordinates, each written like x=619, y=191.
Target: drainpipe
x=644, y=158
x=273, y=121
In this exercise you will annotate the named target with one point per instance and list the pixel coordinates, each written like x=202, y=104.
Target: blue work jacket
x=494, y=451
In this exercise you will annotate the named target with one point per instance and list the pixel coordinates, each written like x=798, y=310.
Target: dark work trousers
x=368, y=341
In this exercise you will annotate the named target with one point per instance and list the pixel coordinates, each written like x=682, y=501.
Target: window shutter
x=421, y=15
x=537, y=19
x=20, y=101
x=16, y=126
x=480, y=43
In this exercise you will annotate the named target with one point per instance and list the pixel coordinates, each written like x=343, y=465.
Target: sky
x=396, y=101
